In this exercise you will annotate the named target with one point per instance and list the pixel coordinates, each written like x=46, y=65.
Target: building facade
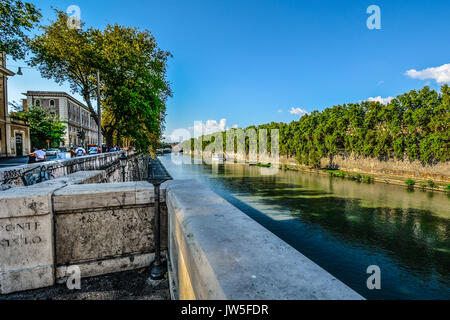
x=71, y=112
x=14, y=133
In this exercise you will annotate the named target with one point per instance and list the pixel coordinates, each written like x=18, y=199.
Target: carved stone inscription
x=25, y=242
x=19, y=234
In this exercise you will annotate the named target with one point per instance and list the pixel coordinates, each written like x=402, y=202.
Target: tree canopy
x=16, y=18
x=135, y=90
x=413, y=126
x=67, y=55
x=132, y=70
x=43, y=127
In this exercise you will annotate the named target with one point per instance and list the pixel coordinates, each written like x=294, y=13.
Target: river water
x=342, y=225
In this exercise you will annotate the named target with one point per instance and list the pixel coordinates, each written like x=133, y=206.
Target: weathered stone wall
x=439, y=172
x=113, y=220
x=26, y=233
x=137, y=168
x=26, y=240
x=101, y=228
x=215, y=250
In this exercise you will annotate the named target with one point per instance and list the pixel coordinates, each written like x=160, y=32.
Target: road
x=14, y=162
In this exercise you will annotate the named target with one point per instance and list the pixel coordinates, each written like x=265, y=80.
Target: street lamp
x=157, y=174
x=123, y=159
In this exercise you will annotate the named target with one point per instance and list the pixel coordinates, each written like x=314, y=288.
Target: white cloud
x=209, y=127
x=200, y=128
x=280, y=110
x=440, y=74
x=381, y=100
x=170, y=138
x=298, y=111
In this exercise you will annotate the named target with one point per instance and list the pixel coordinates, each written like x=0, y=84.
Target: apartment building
x=71, y=112
x=14, y=133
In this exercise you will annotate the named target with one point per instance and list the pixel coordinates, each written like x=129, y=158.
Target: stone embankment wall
x=100, y=228
x=49, y=230
x=439, y=172
x=136, y=170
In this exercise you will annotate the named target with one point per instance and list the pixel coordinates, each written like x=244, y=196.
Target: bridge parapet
x=100, y=228
x=215, y=251
x=218, y=252
x=30, y=174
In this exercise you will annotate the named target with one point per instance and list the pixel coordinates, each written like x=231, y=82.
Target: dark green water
x=344, y=226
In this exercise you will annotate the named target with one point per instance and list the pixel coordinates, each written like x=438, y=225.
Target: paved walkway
x=128, y=285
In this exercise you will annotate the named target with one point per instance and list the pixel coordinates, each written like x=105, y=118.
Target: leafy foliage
x=135, y=90
x=16, y=18
x=42, y=127
x=132, y=70
x=67, y=55
x=413, y=126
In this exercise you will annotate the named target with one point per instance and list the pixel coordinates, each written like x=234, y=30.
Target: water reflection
x=345, y=226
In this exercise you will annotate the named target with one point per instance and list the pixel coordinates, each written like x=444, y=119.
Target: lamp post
x=123, y=159
x=157, y=174
x=99, y=114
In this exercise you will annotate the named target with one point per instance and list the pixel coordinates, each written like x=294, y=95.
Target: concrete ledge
x=218, y=252
x=103, y=227
x=34, y=200
x=91, y=196
x=26, y=238
x=23, y=202
x=108, y=163
x=103, y=221
x=95, y=268
x=26, y=279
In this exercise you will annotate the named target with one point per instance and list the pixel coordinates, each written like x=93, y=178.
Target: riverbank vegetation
x=414, y=126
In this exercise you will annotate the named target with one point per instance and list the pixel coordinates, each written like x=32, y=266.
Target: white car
x=52, y=152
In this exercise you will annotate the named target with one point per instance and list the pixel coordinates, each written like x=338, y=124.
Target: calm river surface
x=342, y=225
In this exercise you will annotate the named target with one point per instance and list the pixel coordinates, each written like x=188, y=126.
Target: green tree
x=16, y=18
x=135, y=88
x=415, y=125
x=132, y=72
x=67, y=55
x=42, y=127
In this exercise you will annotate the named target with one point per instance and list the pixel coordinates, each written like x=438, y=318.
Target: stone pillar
x=26, y=241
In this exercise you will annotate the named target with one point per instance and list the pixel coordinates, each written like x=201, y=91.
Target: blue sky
x=252, y=61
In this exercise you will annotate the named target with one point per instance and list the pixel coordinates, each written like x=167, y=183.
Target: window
x=37, y=103
x=52, y=103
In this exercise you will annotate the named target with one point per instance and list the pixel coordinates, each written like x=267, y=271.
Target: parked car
x=52, y=152
x=93, y=150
